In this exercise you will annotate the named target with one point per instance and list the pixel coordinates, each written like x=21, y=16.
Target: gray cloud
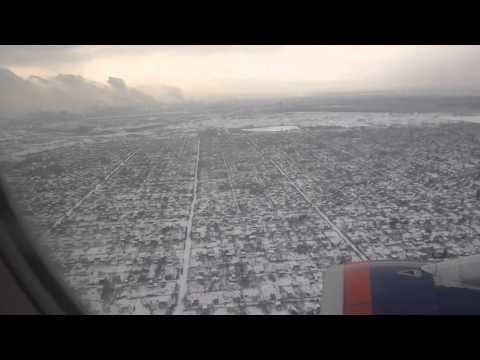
x=66, y=92
x=443, y=69
x=164, y=93
x=451, y=69
x=40, y=55
x=20, y=55
x=117, y=83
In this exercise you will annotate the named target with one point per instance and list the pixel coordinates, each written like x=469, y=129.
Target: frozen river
x=273, y=128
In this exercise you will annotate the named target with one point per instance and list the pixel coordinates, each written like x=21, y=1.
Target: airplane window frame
x=43, y=287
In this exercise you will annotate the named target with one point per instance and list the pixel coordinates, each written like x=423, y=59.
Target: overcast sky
x=257, y=70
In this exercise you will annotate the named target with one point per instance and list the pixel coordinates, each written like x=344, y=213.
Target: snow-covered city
x=182, y=213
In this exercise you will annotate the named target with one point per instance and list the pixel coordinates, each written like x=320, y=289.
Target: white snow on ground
x=285, y=121
x=69, y=212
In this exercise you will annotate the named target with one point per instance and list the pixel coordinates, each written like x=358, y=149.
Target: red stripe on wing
x=357, y=296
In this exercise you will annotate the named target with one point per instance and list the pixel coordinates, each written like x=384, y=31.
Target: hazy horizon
x=167, y=73
x=205, y=70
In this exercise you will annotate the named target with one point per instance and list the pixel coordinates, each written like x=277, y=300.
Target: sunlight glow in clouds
x=216, y=70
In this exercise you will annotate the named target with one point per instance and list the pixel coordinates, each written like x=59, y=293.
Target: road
x=230, y=182
x=183, y=281
x=70, y=211
x=345, y=238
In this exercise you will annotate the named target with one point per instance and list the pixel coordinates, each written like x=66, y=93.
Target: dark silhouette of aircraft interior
x=28, y=283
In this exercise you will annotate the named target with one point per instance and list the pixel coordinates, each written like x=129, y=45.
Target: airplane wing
x=403, y=288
